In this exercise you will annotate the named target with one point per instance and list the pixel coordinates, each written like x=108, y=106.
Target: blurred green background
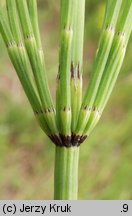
x=27, y=155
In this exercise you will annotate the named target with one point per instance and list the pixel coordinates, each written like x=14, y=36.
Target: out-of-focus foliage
x=26, y=154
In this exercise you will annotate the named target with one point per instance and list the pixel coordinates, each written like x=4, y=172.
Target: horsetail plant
x=73, y=119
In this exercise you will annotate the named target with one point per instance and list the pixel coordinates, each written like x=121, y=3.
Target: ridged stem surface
x=66, y=173
x=77, y=61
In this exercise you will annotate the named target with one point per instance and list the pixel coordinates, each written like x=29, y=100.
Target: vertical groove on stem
x=66, y=173
x=77, y=61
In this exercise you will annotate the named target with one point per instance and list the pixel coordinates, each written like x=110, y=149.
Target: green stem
x=64, y=92
x=106, y=39
x=77, y=61
x=66, y=173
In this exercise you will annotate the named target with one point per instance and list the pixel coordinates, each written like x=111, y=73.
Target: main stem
x=66, y=173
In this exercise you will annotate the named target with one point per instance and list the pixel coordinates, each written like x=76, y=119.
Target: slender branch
x=37, y=66
x=64, y=94
x=31, y=47
x=114, y=63
x=14, y=54
x=32, y=7
x=15, y=28
x=111, y=16
x=78, y=33
x=77, y=60
x=17, y=34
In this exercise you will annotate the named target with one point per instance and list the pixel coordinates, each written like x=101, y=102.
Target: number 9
x=125, y=208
